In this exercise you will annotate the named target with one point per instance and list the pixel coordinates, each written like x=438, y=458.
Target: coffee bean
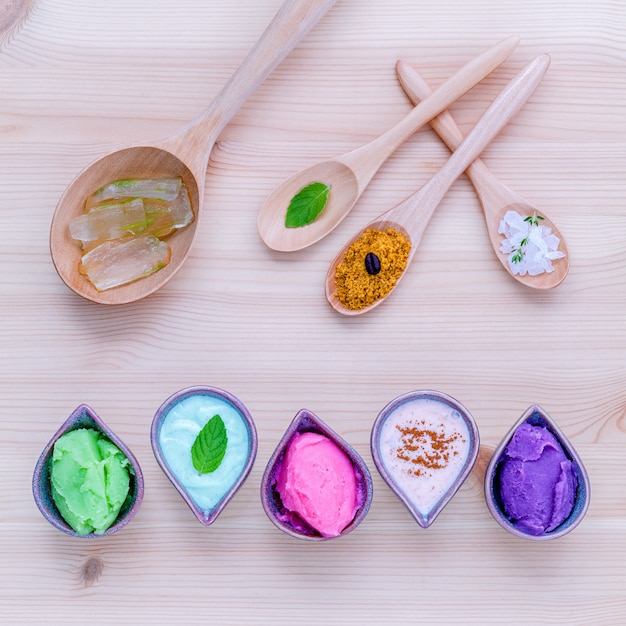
x=372, y=264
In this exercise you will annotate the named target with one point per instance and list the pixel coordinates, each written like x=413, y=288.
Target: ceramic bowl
x=84, y=417
x=405, y=471
x=206, y=495
x=535, y=415
x=290, y=523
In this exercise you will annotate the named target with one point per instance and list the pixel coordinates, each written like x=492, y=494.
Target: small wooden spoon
x=412, y=215
x=349, y=175
x=495, y=197
x=184, y=154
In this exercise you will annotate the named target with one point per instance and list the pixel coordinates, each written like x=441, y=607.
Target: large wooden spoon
x=495, y=197
x=348, y=175
x=184, y=154
x=411, y=216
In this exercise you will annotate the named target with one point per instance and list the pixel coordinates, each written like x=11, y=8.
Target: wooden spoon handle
x=366, y=160
x=291, y=23
x=489, y=188
x=415, y=212
x=417, y=89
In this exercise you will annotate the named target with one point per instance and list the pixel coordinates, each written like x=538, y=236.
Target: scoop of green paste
x=90, y=480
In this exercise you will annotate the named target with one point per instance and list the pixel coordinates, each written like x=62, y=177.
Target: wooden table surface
x=78, y=79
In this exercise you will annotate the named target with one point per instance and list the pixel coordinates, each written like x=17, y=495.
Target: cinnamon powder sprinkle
x=426, y=449
x=356, y=288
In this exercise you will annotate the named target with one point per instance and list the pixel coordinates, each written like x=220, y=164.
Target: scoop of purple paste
x=537, y=481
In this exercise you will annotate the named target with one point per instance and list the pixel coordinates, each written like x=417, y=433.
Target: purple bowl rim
x=425, y=520
x=278, y=453
x=578, y=514
x=157, y=420
x=52, y=515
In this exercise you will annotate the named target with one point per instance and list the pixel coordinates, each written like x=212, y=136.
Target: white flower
x=530, y=247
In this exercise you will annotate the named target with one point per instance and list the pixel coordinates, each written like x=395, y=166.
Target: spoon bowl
x=344, y=191
x=495, y=197
x=184, y=154
x=348, y=175
x=546, y=280
x=411, y=216
x=382, y=224
x=135, y=162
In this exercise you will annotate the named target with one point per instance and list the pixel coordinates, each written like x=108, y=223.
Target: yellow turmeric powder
x=371, y=267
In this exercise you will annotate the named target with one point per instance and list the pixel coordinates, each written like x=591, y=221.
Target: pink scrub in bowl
x=315, y=486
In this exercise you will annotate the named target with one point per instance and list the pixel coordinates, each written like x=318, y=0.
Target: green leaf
x=209, y=448
x=533, y=219
x=306, y=206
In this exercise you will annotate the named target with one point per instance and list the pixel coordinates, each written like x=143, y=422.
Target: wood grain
x=80, y=79
x=12, y=12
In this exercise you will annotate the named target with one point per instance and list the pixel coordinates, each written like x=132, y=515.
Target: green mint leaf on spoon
x=306, y=206
x=209, y=448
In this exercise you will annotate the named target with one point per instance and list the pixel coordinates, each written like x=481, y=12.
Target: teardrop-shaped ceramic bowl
x=175, y=426
x=424, y=444
x=536, y=416
x=290, y=522
x=85, y=417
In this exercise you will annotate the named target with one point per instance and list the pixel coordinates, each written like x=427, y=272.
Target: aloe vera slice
x=122, y=261
x=110, y=221
x=163, y=218
x=160, y=189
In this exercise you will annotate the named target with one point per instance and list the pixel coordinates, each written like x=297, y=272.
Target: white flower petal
x=539, y=249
